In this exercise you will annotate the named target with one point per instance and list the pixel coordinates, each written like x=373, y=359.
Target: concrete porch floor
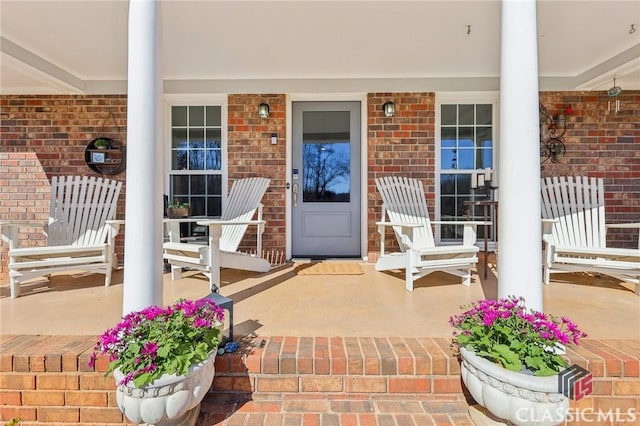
x=283, y=303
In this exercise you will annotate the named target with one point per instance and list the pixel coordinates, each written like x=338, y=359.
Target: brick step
x=343, y=409
x=358, y=365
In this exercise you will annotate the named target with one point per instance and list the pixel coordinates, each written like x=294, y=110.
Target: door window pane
x=326, y=156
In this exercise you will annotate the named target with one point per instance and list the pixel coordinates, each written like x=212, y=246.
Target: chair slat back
x=79, y=209
x=578, y=205
x=244, y=199
x=404, y=202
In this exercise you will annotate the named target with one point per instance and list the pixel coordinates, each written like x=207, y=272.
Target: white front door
x=325, y=179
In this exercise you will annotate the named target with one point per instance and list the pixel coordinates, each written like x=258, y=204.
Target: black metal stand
x=227, y=304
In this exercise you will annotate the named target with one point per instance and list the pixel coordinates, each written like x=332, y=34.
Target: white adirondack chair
x=575, y=228
x=225, y=235
x=79, y=235
x=405, y=206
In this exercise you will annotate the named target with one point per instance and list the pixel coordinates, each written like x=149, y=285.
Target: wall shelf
x=106, y=161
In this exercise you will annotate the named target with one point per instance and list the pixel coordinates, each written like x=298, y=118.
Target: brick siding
x=57, y=129
x=250, y=153
x=46, y=379
x=606, y=144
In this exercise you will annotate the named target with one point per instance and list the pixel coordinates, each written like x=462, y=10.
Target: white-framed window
x=196, y=155
x=466, y=152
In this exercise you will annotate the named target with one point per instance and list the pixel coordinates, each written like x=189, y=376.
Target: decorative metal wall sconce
x=552, y=130
x=263, y=110
x=389, y=109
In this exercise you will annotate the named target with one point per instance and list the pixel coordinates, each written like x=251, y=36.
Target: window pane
x=179, y=116
x=483, y=114
x=326, y=156
x=179, y=159
x=465, y=135
x=465, y=159
x=213, y=138
x=196, y=159
x=214, y=184
x=485, y=159
x=447, y=184
x=449, y=116
x=214, y=116
x=198, y=206
x=448, y=137
x=198, y=185
x=196, y=116
x=196, y=138
x=179, y=138
x=448, y=158
x=213, y=160
x=214, y=206
x=484, y=137
x=179, y=186
x=466, y=115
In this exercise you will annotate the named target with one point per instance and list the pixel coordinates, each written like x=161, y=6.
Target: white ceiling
x=55, y=46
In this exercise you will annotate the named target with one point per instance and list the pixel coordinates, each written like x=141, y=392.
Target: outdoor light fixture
x=263, y=110
x=389, y=109
x=552, y=130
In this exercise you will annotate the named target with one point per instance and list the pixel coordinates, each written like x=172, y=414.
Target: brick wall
x=46, y=379
x=400, y=145
x=251, y=154
x=599, y=142
x=603, y=143
x=43, y=136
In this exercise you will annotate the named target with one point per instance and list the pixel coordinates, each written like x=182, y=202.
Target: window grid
x=195, y=174
x=466, y=147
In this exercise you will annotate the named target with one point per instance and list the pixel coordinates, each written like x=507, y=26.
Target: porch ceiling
x=56, y=46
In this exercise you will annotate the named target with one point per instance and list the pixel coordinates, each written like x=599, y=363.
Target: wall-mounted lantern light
x=263, y=110
x=389, y=109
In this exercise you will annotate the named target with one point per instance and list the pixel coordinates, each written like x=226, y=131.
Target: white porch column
x=143, y=228
x=520, y=255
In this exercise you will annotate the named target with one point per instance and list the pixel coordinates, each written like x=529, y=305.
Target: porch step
x=292, y=409
x=337, y=381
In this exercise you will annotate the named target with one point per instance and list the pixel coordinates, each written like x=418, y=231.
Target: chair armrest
x=9, y=230
x=230, y=222
x=623, y=225
x=461, y=222
x=114, y=226
x=401, y=224
x=626, y=226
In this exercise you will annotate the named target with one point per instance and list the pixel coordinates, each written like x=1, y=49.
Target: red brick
x=13, y=412
x=38, y=398
x=58, y=414
x=12, y=397
x=370, y=384
x=100, y=415
x=18, y=381
x=86, y=398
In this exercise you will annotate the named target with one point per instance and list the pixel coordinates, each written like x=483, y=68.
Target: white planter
x=170, y=399
x=514, y=397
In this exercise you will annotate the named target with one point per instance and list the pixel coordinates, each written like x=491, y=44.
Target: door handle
x=294, y=190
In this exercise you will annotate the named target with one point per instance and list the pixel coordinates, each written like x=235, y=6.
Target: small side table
x=486, y=214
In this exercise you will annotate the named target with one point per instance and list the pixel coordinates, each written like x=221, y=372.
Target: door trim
x=336, y=97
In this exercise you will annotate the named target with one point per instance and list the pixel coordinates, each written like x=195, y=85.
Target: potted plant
x=511, y=357
x=102, y=143
x=163, y=360
x=177, y=209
